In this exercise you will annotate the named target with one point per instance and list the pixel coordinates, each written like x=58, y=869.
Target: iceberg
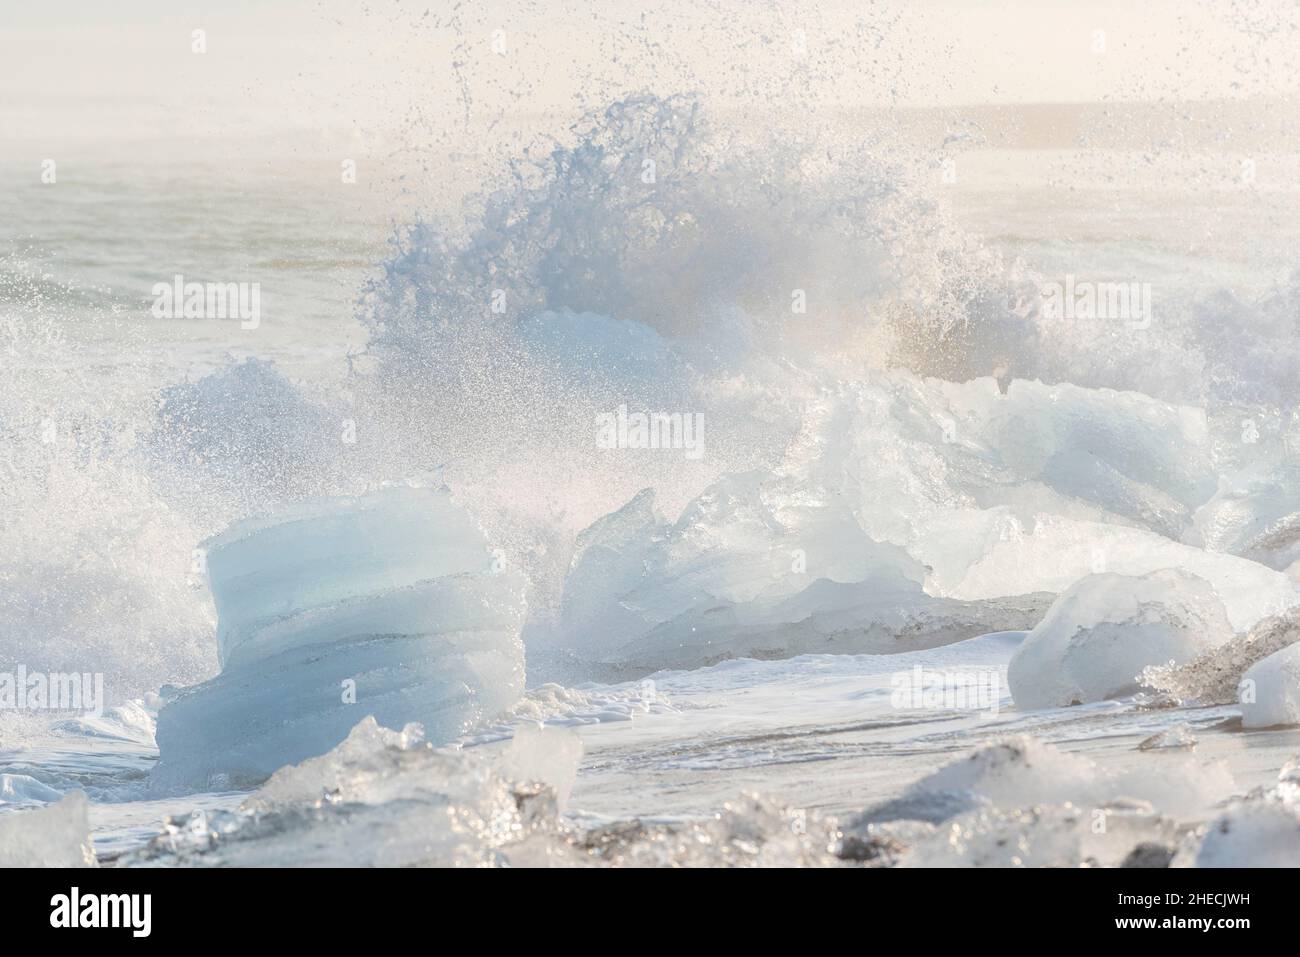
x=391, y=604
x=915, y=455
x=1140, y=459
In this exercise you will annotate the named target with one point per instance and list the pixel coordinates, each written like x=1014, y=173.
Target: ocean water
x=905, y=459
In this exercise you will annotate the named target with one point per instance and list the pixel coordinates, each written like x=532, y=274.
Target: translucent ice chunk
x=316, y=560
x=54, y=836
x=1255, y=513
x=1029, y=837
x=1054, y=552
x=1018, y=772
x=1215, y=676
x=548, y=756
x=1270, y=690
x=1104, y=631
x=380, y=798
x=370, y=766
x=752, y=568
x=1253, y=834
x=389, y=605
x=1024, y=772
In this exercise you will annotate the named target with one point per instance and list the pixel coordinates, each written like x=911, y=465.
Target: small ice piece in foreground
x=391, y=605
x=376, y=766
x=1289, y=773
x=381, y=798
x=1023, y=772
x=751, y=831
x=1101, y=634
x=1032, y=805
x=920, y=804
x=1029, y=837
x=371, y=765
x=1270, y=690
x=1255, y=834
x=547, y=756
x=1175, y=784
x=1150, y=854
x=54, y=836
x=1173, y=738
x=1288, y=782
x=1018, y=772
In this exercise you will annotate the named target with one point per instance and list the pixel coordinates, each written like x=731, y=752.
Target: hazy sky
x=96, y=70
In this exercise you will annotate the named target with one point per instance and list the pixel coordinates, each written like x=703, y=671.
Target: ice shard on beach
x=1102, y=633
x=391, y=604
x=751, y=569
x=1270, y=690
x=53, y=836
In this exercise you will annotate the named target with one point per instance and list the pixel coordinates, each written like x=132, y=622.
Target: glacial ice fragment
x=54, y=836
x=753, y=568
x=391, y=605
x=547, y=756
x=1214, y=677
x=1022, y=772
x=1270, y=690
x=1102, y=633
x=1252, y=834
